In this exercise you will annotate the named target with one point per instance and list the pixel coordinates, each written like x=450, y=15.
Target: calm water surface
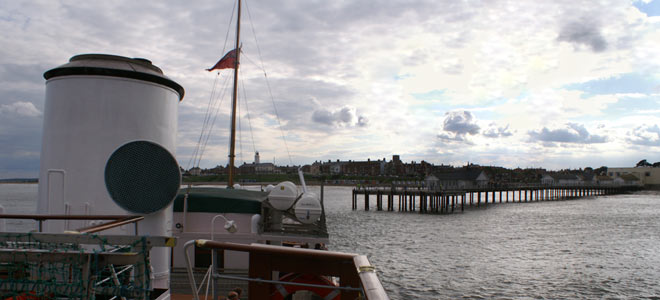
x=19, y=199
x=595, y=248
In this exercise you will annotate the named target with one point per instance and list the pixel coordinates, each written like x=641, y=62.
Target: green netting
x=57, y=266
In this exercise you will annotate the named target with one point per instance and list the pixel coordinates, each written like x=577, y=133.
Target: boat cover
x=220, y=200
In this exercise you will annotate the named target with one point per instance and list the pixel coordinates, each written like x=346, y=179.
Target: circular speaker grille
x=142, y=177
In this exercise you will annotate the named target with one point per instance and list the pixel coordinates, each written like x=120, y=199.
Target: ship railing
x=117, y=255
x=80, y=266
x=116, y=220
x=357, y=277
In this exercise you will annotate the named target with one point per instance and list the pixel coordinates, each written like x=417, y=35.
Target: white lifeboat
x=308, y=208
x=283, y=195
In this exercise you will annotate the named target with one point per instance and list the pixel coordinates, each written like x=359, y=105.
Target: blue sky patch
x=632, y=106
x=402, y=76
x=651, y=9
x=432, y=95
x=623, y=83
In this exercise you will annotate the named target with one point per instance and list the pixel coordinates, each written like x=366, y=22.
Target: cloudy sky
x=552, y=84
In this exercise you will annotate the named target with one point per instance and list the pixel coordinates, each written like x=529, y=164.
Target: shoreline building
x=648, y=176
x=457, y=179
x=257, y=167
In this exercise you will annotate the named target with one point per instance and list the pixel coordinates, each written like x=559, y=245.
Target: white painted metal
x=86, y=118
x=308, y=208
x=283, y=195
x=254, y=223
x=302, y=180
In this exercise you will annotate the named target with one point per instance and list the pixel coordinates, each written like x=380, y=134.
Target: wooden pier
x=419, y=199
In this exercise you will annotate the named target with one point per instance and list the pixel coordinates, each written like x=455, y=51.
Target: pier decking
x=414, y=198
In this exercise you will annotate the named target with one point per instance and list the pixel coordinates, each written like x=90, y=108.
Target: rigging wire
x=211, y=108
x=247, y=112
x=193, y=157
x=215, y=115
x=240, y=130
x=270, y=92
x=207, y=125
x=231, y=19
x=278, y=119
x=214, y=105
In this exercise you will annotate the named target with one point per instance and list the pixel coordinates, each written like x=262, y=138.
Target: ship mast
x=232, y=143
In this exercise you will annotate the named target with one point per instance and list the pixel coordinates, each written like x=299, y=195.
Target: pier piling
x=416, y=198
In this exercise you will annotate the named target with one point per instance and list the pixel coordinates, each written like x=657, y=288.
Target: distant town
x=395, y=171
x=19, y=180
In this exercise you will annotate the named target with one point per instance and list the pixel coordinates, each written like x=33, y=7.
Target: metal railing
x=117, y=220
x=356, y=275
x=79, y=266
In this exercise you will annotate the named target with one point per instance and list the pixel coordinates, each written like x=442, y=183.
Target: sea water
x=19, y=199
x=605, y=247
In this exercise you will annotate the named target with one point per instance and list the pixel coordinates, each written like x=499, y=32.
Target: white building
x=561, y=179
x=648, y=176
x=457, y=179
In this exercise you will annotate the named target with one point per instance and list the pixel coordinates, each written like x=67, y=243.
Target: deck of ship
x=181, y=290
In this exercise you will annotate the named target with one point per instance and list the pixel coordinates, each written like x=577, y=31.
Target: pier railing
x=444, y=200
x=491, y=186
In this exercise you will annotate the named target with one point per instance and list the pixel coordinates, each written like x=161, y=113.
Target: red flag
x=226, y=62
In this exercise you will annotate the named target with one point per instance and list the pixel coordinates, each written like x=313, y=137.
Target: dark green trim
x=220, y=200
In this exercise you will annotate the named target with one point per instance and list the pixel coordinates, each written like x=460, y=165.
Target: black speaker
x=142, y=177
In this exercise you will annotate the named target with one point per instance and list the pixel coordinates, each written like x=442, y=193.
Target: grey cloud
x=295, y=96
x=323, y=116
x=20, y=108
x=493, y=131
x=23, y=74
x=20, y=119
x=453, y=66
x=300, y=104
x=456, y=125
x=22, y=89
x=583, y=32
x=417, y=58
x=574, y=133
x=460, y=123
x=645, y=135
x=451, y=138
x=363, y=121
x=346, y=24
x=319, y=39
x=20, y=137
x=343, y=117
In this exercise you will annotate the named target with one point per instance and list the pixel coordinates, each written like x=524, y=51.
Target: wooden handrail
x=112, y=224
x=371, y=285
x=64, y=217
x=118, y=220
x=352, y=269
x=276, y=250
